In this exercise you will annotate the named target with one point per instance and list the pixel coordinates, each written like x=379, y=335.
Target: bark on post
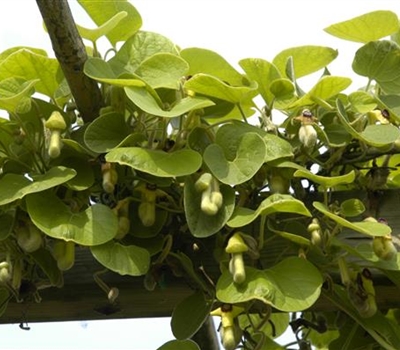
x=70, y=52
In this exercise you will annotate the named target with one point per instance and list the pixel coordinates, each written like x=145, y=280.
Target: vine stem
x=261, y=232
x=71, y=53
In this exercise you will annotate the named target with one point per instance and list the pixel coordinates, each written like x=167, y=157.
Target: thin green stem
x=242, y=113
x=261, y=232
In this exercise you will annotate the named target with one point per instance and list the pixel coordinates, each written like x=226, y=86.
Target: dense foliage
x=190, y=157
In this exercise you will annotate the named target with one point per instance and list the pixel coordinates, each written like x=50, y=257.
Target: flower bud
x=384, y=248
x=307, y=135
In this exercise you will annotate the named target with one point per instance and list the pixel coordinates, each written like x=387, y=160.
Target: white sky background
x=236, y=29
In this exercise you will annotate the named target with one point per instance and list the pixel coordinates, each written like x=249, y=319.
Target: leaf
x=31, y=66
x=362, y=102
x=13, y=186
x=366, y=252
x=139, y=47
x=284, y=203
x=125, y=27
x=378, y=326
x=295, y=238
x=199, y=139
x=105, y=28
x=282, y=88
x=15, y=94
x=7, y=220
x=101, y=71
x=326, y=87
x=179, y=345
x=368, y=27
x=275, y=286
x=209, y=85
x=84, y=177
x=374, y=135
x=209, y=62
x=374, y=229
x=48, y=264
x=144, y=99
x=201, y=224
x=379, y=60
x=249, y=157
x=138, y=230
x=306, y=59
x=125, y=260
x=163, y=70
x=229, y=136
x=392, y=104
x=380, y=134
x=263, y=73
x=189, y=315
x=352, y=207
x=95, y=225
x=106, y=132
x=327, y=182
x=335, y=135
x=4, y=299
x=158, y=163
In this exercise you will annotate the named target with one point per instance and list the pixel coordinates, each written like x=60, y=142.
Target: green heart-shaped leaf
x=275, y=203
x=263, y=73
x=189, y=315
x=124, y=28
x=334, y=135
x=366, y=252
x=146, y=100
x=375, y=135
x=179, y=345
x=327, y=182
x=163, y=70
x=13, y=186
x=379, y=326
x=209, y=62
x=48, y=264
x=209, y=85
x=99, y=70
x=31, y=66
x=367, y=228
x=306, y=59
x=392, y=104
x=295, y=238
x=106, y=132
x=15, y=94
x=6, y=223
x=158, y=163
x=362, y=102
x=201, y=224
x=103, y=29
x=365, y=28
x=249, y=157
x=84, y=177
x=125, y=260
x=380, y=134
x=275, y=286
x=282, y=88
x=139, y=47
x=95, y=225
x=229, y=135
x=379, y=60
x=326, y=87
x=352, y=207
x=138, y=230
